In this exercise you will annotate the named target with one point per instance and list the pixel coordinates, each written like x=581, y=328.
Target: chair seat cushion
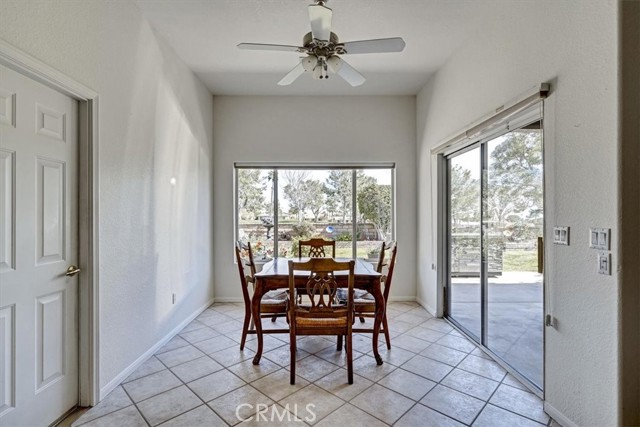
x=319, y=322
x=275, y=297
x=360, y=296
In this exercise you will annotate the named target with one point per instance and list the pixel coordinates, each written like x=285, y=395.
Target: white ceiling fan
x=323, y=49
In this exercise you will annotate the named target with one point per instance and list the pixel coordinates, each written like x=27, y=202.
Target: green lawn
x=520, y=260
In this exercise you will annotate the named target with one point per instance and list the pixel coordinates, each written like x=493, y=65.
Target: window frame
x=277, y=166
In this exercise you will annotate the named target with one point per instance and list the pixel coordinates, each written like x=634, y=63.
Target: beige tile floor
x=432, y=376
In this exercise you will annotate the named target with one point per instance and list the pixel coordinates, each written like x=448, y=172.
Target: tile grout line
x=376, y=382
x=386, y=388
x=188, y=388
x=439, y=382
x=183, y=384
x=327, y=360
x=505, y=409
x=487, y=401
x=501, y=382
x=137, y=409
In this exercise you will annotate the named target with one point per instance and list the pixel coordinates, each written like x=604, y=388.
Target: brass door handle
x=72, y=271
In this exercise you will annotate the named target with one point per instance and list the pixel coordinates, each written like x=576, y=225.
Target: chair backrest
x=246, y=267
x=382, y=256
x=321, y=287
x=316, y=247
x=386, y=265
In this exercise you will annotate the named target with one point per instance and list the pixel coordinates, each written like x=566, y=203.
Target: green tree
x=465, y=197
x=294, y=191
x=464, y=204
x=251, y=188
x=514, y=190
x=374, y=205
x=315, y=192
x=338, y=190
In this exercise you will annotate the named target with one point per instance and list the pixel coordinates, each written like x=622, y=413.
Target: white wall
x=307, y=129
x=573, y=45
x=155, y=124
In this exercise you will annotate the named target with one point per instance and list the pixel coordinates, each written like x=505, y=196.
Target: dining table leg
x=377, y=295
x=255, y=311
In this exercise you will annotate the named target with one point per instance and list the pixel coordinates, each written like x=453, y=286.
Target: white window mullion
x=275, y=214
x=354, y=225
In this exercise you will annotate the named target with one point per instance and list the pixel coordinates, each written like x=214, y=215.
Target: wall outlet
x=173, y=298
x=599, y=238
x=604, y=263
x=561, y=235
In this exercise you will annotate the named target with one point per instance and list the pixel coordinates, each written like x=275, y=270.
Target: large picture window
x=276, y=206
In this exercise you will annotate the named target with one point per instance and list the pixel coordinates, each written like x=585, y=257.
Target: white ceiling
x=204, y=33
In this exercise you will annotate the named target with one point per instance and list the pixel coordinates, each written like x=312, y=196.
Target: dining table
x=275, y=275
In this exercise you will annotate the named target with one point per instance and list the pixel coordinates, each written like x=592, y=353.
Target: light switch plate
x=604, y=263
x=561, y=235
x=599, y=238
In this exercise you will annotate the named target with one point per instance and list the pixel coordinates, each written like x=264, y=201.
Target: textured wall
x=573, y=45
x=155, y=125
x=308, y=129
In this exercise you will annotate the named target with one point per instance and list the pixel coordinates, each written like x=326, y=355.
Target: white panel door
x=38, y=242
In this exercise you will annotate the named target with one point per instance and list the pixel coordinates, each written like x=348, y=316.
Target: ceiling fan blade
x=395, y=44
x=320, y=18
x=346, y=71
x=292, y=75
x=271, y=47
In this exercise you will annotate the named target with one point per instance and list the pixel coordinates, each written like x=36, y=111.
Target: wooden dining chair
x=273, y=303
x=323, y=315
x=382, y=264
x=364, y=303
x=316, y=248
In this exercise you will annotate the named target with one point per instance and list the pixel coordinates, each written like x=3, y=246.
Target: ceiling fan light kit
x=323, y=49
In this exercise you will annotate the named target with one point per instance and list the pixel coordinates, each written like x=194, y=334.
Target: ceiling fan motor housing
x=308, y=38
x=321, y=47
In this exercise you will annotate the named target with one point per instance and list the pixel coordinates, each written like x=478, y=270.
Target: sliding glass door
x=495, y=229
x=465, y=245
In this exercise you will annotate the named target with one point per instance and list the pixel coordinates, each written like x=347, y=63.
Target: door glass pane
x=255, y=210
x=465, y=241
x=514, y=224
x=374, y=211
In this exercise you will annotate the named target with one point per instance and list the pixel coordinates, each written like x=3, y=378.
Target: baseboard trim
x=402, y=299
x=104, y=391
x=558, y=416
x=228, y=299
x=426, y=306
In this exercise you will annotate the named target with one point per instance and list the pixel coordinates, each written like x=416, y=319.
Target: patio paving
x=515, y=310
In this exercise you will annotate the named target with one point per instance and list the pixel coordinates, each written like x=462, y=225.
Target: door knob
x=72, y=271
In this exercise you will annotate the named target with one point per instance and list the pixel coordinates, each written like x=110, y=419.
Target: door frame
x=482, y=339
x=88, y=191
x=475, y=133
